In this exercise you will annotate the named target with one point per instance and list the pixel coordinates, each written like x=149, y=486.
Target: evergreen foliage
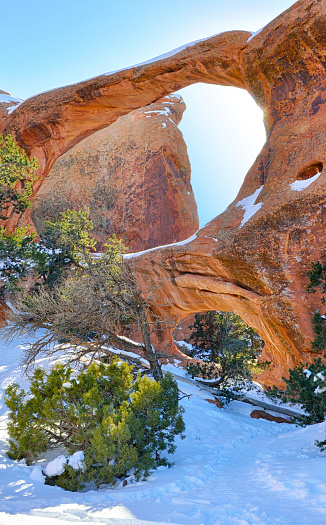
x=319, y=327
x=227, y=347
x=17, y=173
x=317, y=280
x=17, y=258
x=81, y=299
x=17, y=252
x=306, y=386
x=121, y=423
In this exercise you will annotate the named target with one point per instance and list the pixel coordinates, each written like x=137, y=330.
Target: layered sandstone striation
x=253, y=258
x=133, y=175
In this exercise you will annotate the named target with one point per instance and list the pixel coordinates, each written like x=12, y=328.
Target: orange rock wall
x=133, y=175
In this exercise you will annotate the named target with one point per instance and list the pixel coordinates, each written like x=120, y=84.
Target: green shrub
x=228, y=350
x=317, y=280
x=306, y=386
x=17, y=174
x=121, y=423
x=78, y=298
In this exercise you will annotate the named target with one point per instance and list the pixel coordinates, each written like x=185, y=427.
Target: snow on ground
x=230, y=470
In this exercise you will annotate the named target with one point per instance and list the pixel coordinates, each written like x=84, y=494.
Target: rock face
x=261, y=414
x=7, y=104
x=253, y=258
x=133, y=175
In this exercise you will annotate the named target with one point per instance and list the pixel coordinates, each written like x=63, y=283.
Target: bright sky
x=51, y=43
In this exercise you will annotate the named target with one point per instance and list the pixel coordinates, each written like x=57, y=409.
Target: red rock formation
x=215, y=402
x=133, y=175
x=261, y=414
x=253, y=258
x=49, y=124
x=7, y=104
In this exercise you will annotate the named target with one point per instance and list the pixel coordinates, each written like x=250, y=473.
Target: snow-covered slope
x=230, y=469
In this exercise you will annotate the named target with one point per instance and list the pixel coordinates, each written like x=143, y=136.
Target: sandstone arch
x=253, y=258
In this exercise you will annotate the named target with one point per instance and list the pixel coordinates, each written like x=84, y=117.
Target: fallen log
x=240, y=397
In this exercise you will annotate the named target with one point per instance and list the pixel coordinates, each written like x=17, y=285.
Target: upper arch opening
x=223, y=146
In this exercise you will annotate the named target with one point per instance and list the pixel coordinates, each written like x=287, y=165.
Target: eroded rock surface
x=7, y=104
x=253, y=258
x=261, y=414
x=134, y=175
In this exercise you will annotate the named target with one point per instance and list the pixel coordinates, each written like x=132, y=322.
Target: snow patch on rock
x=255, y=33
x=5, y=98
x=12, y=108
x=165, y=55
x=210, y=237
x=300, y=185
x=180, y=243
x=248, y=204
